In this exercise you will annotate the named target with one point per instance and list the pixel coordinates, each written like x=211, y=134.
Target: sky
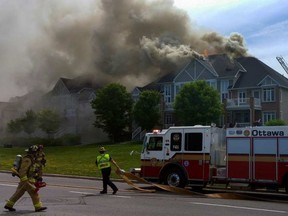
x=130, y=41
x=262, y=23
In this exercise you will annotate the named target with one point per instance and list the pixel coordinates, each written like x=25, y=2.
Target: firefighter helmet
x=102, y=149
x=40, y=147
x=32, y=149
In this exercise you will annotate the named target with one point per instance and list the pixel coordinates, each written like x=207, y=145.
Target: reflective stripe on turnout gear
x=38, y=205
x=10, y=203
x=103, y=161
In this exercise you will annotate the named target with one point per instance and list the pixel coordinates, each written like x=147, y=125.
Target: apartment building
x=70, y=98
x=251, y=92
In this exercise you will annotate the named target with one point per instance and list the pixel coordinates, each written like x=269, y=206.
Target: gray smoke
x=127, y=41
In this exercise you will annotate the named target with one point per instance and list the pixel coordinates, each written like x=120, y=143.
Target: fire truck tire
x=285, y=182
x=286, y=185
x=175, y=178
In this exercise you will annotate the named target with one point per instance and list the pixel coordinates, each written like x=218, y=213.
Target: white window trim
x=224, y=84
x=270, y=95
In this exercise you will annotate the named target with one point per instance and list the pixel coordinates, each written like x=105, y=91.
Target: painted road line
x=85, y=193
x=9, y=185
x=126, y=197
x=240, y=207
x=80, y=192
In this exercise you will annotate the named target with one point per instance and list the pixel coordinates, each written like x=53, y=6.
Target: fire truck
x=200, y=155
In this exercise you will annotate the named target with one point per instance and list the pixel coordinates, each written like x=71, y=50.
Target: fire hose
x=130, y=178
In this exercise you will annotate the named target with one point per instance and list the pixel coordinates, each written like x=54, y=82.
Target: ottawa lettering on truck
x=267, y=133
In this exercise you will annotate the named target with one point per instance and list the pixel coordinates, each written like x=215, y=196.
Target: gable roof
x=256, y=72
x=220, y=65
x=170, y=77
x=150, y=86
x=224, y=66
x=79, y=83
x=74, y=86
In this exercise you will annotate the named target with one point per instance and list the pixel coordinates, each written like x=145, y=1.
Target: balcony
x=168, y=107
x=243, y=103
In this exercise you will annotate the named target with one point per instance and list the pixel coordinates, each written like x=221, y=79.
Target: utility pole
x=283, y=63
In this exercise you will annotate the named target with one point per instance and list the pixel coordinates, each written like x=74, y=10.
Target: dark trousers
x=106, y=179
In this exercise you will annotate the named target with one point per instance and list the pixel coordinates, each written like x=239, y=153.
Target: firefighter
x=27, y=181
x=103, y=161
x=40, y=162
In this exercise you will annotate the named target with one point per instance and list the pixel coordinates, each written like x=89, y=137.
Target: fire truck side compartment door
x=264, y=160
x=238, y=158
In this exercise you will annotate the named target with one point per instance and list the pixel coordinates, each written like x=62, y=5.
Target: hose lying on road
x=129, y=177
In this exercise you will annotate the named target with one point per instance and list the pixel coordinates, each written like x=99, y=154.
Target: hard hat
x=32, y=149
x=102, y=149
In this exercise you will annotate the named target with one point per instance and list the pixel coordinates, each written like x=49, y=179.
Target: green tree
x=14, y=126
x=29, y=122
x=49, y=121
x=146, y=111
x=113, y=109
x=198, y=103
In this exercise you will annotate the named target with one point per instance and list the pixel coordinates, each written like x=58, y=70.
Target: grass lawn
x=77, y=160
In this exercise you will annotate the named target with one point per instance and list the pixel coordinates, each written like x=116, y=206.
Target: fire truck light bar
x=156, y=131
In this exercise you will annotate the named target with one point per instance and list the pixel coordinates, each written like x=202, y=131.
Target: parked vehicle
x=200, y=155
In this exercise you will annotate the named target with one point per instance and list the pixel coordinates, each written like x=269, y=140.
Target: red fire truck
x=199, y=155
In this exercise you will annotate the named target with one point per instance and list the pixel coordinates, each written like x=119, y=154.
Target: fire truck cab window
x=193, y=141
x=155, y=144
x=176, y=139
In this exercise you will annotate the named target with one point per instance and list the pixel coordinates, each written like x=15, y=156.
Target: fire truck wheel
x=286, y=186
x=175, y=177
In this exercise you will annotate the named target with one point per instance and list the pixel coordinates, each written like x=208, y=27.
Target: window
x=268, y=95
x=212, y=83
x=242, y=96
x=178, y=87
x=224, y=89
x=168, y=119
x=267, y=116
x=256, y=94
x=176, y=139
x=167, y=93
x=193, y=141
x=155, y=144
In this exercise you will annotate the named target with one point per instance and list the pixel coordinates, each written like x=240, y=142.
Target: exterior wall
x=7, y=112
x=273, y=106
x=12, y=110
x=85, y=127
x=283, y=104
x=77, y=118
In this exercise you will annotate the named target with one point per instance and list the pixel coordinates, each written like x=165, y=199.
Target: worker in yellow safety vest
x=103, y=161
x=27, y=181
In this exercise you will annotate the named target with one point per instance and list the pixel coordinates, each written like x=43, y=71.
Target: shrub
x=275, y=122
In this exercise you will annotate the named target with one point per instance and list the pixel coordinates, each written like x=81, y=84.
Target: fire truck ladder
x=283, y=63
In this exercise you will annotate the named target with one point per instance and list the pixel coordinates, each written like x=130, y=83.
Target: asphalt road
x=77, y=196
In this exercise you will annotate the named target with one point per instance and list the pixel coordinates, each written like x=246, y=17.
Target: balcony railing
x=234, y=103
x=238, y=103
x=168, y=106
